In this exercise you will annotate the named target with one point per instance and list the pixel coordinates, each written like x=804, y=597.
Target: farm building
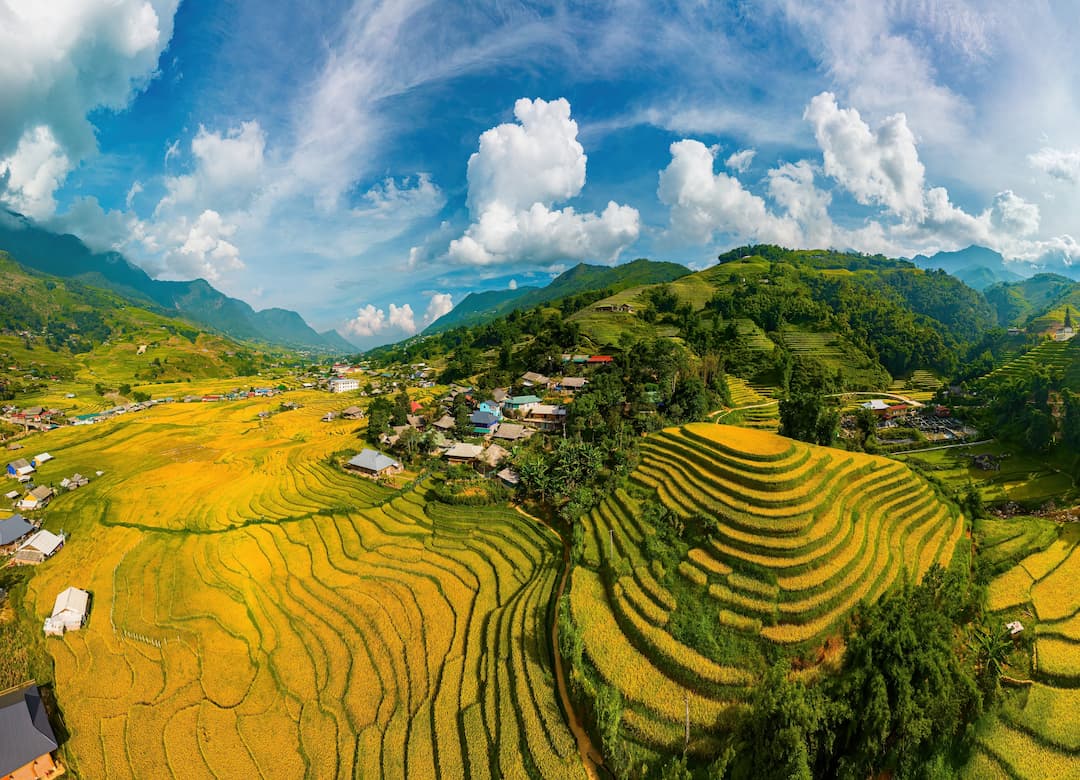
x=373, y=463
x=492, y=457
x=328, y=417
x=42, y=545
x=463, y=453
x=499, y=395
x=13, y=529
x=352, y=413
x=19, y=468
x=533, y=379
x=571, y=384
x=11, y=495
x=876, y=405
x=509, y=477
x=343, y=385
x=27, y=738
x=42, y=458
x=38, y=498
x=511, y=432
x=69, y=612
x=445, y=424
x=622, y=308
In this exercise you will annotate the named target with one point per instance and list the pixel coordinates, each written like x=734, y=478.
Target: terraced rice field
x=754, y=406
x=1037, y=734
x=256, y=612
x=803, y=534
x=1063, y=356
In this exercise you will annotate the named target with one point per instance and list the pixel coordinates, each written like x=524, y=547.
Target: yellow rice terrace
x=258, y=612
x=729, y=545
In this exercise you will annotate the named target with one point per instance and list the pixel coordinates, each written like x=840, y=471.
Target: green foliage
x=380, y=412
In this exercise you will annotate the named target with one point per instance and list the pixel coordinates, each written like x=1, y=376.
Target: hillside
x=259, y=611
x=480, y=307
x=1017, y=303
x=67, y=257
x=731, y=546
x=976, y=266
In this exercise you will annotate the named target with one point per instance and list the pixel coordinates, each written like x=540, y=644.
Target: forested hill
x=480, y=307
x=67, y=257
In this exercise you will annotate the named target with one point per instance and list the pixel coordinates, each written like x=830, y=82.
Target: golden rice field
x=1037, y=734
x=257, y=612
x=803, y=533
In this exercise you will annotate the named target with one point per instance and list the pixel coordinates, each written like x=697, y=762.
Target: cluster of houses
x=116, y=411
x=26, y=543
x=36, y=418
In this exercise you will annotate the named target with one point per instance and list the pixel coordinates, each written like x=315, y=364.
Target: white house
x=69, y=612
x=44, y=544
x=341, y=384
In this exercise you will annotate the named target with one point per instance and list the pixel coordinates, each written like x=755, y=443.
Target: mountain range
x=66, y=256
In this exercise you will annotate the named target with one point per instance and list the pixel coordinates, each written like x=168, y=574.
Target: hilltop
x=480, y=307
x=67, y=257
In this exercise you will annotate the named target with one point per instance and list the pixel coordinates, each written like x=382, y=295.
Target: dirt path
x=591, y=758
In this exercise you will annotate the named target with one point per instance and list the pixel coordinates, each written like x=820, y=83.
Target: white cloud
x=878, y=168
x=204, y=250
x=512, y=285
x=1014, y=215
x=703, y=203
x=228, y=172
x=740, y=160
x=792, y=187
x=135, y=189
x=1059, y=163
x=61, y=60
x=438, y=305
x=402, y=318
x=368, y=321
x=33, y=173
x=519, y=172
x=99, y=229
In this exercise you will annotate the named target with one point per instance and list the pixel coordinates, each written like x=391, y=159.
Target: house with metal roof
x=13, y=529
x=69, y=612
x=19, y=468
x=511, y=432
x=42, y=545
x=373, y=463
x=38, y=498
x=483, y=423
x=463, y=453
x=521, y=401
x=26, y=738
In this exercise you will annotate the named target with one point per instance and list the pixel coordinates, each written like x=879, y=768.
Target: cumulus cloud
x=228, y=170
x=34, y=172
x=878, y=168
x=203, y=249
x=438, y=305
x=703, y=203
x=99, y=229
x=1061, y=164
x=515, y=178
x=61, y=61
x=512, y=285
x=373, y=321
x=740, y=160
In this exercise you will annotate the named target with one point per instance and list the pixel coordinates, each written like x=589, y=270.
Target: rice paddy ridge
x=320, y=625
x=1055, y=355
x=1036, y=734
x=803, y=533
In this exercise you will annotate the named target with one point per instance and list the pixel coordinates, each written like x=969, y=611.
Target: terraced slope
x=1038, y=732
x=258, y=613
x=1057, y=356
x=801, y=535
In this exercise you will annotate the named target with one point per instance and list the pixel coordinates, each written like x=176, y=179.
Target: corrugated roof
x=14, y=528
x=372, y=460
x=464, y=451
x=71, y=600
x=25, y=732
x=43, y=541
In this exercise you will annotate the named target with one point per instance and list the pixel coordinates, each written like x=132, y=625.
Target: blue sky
x=369, y=163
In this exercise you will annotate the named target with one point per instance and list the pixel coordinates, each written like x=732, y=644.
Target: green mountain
x=976, y=266
x=481, y=307
x=67, y=257
x=1019, y=302
x=338, y=342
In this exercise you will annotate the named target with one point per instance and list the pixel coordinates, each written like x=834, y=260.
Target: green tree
x=379, y=414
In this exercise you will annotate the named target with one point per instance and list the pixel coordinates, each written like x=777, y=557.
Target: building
x=511, y=432
x=26, y=738
x=571, y=384
x=1064, y=333
x=877, y=406
x=39, y=547
x=491, y=407
x=38, y=498
x=509, y=477
x=533, y=379
x=522, y=402
x=69, y=612
x=461, y=454
x=623, y=308
x=546, y=417
x=343, y=384
x=373, y=463
x=491, y=458
x=19, y=468
x=42, y=458
x=483, y=423
x=444, y=424
x=599, y=359
x=499, y=395
x=13, y=530
x=352, y=413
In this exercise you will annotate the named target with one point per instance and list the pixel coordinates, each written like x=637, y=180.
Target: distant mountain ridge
x=975, y=266
x=479, y=307
x=66, y=256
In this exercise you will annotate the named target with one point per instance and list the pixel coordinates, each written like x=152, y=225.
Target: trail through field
x=590, y=756
x=943, y=447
